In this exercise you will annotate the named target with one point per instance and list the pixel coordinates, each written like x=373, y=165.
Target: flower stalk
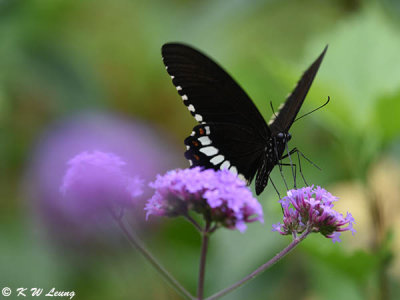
x=202, y=269
x=138, y=244
x=262, y=268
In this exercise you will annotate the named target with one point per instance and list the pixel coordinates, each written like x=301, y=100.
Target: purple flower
x=96, y=180
x=312, y=208
x=220, y=196
x=145, y=149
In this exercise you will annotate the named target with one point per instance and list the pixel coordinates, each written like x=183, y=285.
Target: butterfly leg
x=298, y=152
x=295, y=171
x=280, y=168
x=300, y=170
x=283, y=177
x=279, y=195
x=291, y=163
x=295, y=150
x=301, y=153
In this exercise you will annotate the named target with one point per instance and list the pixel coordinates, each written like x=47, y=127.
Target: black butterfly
x=232, y=134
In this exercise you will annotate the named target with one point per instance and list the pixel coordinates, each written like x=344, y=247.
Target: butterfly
x=232, y=134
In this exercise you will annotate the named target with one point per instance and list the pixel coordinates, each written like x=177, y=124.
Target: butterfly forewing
x=288, y=112
x=210, y=94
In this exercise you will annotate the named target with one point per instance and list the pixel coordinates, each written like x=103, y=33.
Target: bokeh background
x=74, y=74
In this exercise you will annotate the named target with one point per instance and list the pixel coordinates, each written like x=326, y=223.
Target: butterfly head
x=284, y=137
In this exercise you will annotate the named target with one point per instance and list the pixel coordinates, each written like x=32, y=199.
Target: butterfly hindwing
x=225, y=146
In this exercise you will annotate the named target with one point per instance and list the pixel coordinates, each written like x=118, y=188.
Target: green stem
x=193, y=221
x=262, y=268
x=137, y=243
x=203, y=256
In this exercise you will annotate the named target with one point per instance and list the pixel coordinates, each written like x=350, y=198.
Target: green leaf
x=358, y=265
x=386, y=116
x=362, y=64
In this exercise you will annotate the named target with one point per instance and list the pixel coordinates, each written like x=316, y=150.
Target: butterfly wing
x=225, y=146
x=236, y=130
x=210, y=94
x=288, y=112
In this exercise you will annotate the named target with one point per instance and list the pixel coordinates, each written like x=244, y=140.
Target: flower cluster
x=311, y=209
x=220, y=196
x=96, y=180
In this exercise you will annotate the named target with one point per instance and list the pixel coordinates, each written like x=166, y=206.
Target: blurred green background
x=59, y=58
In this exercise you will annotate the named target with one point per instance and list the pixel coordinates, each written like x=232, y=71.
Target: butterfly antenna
x=275, y=115
x=273, y=111
x=327, y=101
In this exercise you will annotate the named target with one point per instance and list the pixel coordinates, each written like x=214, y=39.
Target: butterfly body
x=231, y=134
x=273, y=152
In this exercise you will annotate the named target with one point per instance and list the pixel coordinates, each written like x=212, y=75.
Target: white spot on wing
x=207, y=128
x=225, y=165
x=198, y=118
x=217, y=159
x=184, y=97
x=172, y=76
x=209, y=151
x=274, y=116
x=233, y=170
x=191, y=108
x=179, y=88
x=193, y=133
x=187, y=147
x=190, y=163
x=272, y=120
x=204, y=140
x=240, y=176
